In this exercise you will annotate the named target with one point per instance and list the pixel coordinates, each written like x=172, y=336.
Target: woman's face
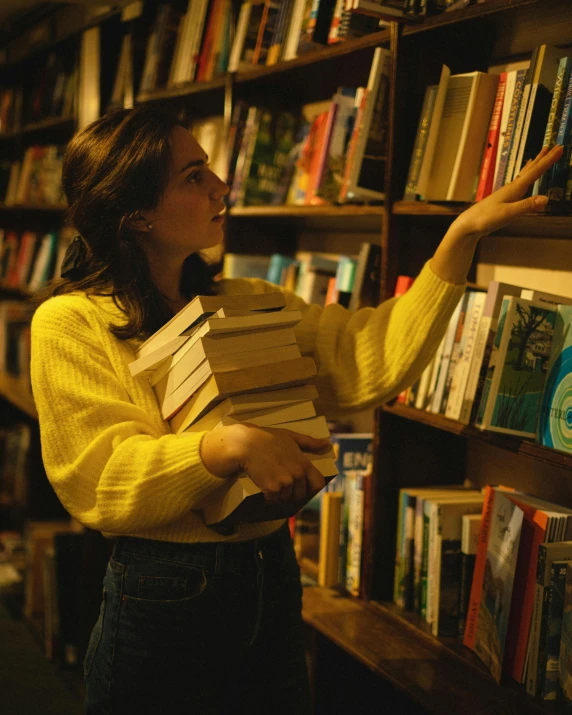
x=188, y=217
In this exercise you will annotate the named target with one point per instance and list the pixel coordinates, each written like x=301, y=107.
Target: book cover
x=555, y=423
x=517, y=367
x=565, y=655
x=471, y=526
x=486, y=176
x=497, y=585
x=421, y=136
x=505, y=147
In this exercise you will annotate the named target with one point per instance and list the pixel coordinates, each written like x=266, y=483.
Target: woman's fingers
x=532, y=171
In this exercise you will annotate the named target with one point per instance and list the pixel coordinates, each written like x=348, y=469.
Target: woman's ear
x=137, y=222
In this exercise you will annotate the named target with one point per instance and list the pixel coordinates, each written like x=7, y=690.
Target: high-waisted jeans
x=199, y=629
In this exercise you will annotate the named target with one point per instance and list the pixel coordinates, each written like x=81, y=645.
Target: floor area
x=29, y=683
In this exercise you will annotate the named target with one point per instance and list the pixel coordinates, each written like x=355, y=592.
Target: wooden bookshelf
x=516, y=445
x=439, y=676
x=37, y=127
x=17, y=391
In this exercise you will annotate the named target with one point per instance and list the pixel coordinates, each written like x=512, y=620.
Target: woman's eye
x=195, y=177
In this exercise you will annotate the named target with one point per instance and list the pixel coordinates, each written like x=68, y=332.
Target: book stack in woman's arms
x=228, y=359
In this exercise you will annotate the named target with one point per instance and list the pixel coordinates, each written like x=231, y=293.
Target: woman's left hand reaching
x=500, y=207
x=454, y=255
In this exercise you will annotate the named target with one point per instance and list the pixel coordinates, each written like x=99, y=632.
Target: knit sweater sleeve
x=367, y=357
x=112, y=462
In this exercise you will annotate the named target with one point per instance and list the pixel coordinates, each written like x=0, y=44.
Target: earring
x=149, y=226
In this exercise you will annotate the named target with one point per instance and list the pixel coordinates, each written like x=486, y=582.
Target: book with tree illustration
x=517, y=368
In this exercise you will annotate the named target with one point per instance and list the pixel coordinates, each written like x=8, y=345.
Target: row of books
x=477, y=130
x=490, y=566
x=14, y=453
x=15, y=317
x=503, y=364
x=34, y=179
x=29, y=259
x=50, y=93
x=330, y=532
x=198, y=44
x=331, y=153
x=223, y=360
x=419, y=9
x=351, y=281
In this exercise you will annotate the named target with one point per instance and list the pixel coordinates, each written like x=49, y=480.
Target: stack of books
x=229, y=359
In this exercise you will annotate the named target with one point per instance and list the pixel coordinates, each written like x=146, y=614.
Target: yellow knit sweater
x=111, y=458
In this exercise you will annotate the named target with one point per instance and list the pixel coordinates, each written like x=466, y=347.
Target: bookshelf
x=411, y=447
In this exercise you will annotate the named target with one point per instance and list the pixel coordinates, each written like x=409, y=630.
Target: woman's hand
x=271, y=457
x=500, y=207
x=456, y=251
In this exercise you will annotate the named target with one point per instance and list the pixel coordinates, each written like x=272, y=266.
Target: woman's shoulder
x=68, y=309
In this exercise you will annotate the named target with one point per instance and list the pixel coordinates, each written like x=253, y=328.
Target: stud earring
x=149, y=226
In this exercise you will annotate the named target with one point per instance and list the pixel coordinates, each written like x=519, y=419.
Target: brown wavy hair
x=115, y=167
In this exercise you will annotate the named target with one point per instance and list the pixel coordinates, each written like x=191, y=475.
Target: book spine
x=467, y=569
x=455, y=349
x=355, y=533
x=420, y=143
x=559, y=172
x=469, y=637
x=486, y=177
x=501, y=175
x=424, y=562
x=471, y=393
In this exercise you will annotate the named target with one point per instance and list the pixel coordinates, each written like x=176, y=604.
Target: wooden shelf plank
x=17, y=392
x=50, y=123
x=305, y=211
x=467, y=13
x=56, y=208
x=508, y=442
x=423, y=667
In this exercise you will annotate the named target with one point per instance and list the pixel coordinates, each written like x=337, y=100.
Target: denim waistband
x=209, y=555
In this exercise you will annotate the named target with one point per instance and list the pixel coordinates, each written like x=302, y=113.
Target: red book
x=474, y=606
x=316, y=164
x=207, y=49
x=533, y=533
x=487, y=175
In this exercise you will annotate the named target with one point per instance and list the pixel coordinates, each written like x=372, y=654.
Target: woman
x=195, y=620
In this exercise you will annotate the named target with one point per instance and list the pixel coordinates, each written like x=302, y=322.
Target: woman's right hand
x=272, y=458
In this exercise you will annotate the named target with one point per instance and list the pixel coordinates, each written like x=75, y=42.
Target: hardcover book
x=517, y=368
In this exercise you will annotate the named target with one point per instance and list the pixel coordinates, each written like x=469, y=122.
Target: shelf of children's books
x=17, y=391
x=511, y=443
x=485, y=7
x=41, y=126
x=56, y=208
x=424, y=668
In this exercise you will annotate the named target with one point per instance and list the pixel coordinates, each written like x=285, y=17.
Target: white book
x=273, y=417
x=89, y=90
x=294, y=30
x=552, y=298
x=509, y=91
x=434, y=375
x=239, y=37
x=433, y=132
x=462, y=368
x=445, y=358
x=191, y=51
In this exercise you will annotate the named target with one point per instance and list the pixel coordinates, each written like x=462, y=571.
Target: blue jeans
x=205, y=629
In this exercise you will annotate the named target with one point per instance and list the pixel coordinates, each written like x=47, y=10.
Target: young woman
x=192, y=619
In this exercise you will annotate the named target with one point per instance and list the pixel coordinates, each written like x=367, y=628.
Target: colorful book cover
x=565, y=656
x=517, y=368
x=486, y=176
x=496, y=594
x=555, y=421
x=549, y=684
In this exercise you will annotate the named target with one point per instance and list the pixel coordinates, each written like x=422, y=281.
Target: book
x=500, y=562
x=554, y=116
x=559, y=172
x=366, y=285
x=245, y=265
x=465, y=356
x=201, y=307
x=89, y=89
x=364, y=172
x=330, y=516
x=462, y=132
x=483, y=348
x=549, y=681
x=487, y=174
x=510, y=83
x=466, y=307
x=516, y=374
x=356, y=509
x=565, y=655
x=540, y=97
x=420, y=143
x=449, y=340
x=553, y=425
x=471, y=526
x=509, y=134
x=444, y=559
x=548, y=554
